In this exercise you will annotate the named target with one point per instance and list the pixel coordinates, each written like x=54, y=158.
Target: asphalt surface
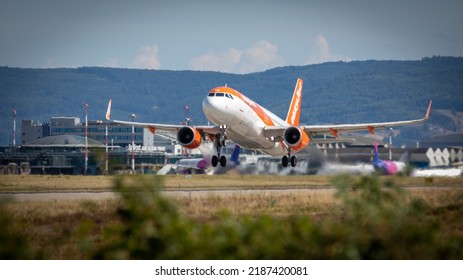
x=180, y=193
x=59, y=196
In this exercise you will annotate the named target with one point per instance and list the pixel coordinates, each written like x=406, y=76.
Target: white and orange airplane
x=243, y=121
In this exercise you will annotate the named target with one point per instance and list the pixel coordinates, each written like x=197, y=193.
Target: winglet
x=108, y=112
x=428, y=113
x=294, y=111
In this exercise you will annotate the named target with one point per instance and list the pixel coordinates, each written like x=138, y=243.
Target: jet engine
x=296, y=138
x=189, y=137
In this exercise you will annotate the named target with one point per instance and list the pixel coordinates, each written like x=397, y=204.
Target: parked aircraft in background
x=193, y=165
x=202, y=165
x=387, y=167
x=243, y=121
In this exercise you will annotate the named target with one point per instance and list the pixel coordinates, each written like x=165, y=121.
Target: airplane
x=246, y=123
x=387, y=167
x=201, y=165
x=193, y=166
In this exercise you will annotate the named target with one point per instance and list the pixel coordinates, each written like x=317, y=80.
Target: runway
x=182, y=193
x=60, y=196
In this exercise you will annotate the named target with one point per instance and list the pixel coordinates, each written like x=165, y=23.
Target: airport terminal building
x=118, y=135
x=65, y=154
x=58, y=147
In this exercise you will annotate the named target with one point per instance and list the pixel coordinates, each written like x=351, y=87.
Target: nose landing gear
x=219, y=142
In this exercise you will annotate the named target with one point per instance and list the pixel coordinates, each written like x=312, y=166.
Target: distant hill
x=335, y=92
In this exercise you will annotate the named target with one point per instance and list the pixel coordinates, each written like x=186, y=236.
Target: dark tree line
x=335, y=92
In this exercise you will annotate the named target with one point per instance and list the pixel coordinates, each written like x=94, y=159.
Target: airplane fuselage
x=243, y=119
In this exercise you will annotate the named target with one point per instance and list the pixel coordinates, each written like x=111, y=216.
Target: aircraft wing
x=169, y=129
x=335, y=129
x=332, y=140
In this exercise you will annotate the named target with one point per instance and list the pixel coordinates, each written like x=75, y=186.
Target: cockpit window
x=220, y=94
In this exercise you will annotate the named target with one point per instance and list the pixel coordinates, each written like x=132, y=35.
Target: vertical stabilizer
x=235, y=156
x=376, y=153
x=294, y=111
x=108, y=111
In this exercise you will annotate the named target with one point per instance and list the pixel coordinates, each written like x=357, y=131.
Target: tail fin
x=235, y=156
x=108, y=111
x=376, y=153
x=294, y=111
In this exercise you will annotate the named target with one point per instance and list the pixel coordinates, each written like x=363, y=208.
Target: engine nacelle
x=296, y=138
x=189, y=137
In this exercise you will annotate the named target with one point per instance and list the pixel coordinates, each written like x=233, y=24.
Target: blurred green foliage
x=373, y=218
x=13, y=244
x=373, y=221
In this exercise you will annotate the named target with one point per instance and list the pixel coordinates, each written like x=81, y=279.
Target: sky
x=227, y=36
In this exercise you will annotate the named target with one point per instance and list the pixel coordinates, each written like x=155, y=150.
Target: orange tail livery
x=294, y=111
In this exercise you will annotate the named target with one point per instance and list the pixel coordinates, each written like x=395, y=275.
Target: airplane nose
x=217, y=110
x=208, y=108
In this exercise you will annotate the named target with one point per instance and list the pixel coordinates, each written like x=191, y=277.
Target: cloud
x=262, y=55
x=147, y=58
x=322, y=52
x=212, y=61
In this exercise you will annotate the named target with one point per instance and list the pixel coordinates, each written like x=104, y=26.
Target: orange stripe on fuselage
x=253, y=105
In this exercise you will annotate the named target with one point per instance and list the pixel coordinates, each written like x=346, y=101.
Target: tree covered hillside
x=336, y=92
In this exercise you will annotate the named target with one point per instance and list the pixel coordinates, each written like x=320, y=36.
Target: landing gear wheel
x=223, y=161
x=293, y=161
x=219, y=142
x=214, y=161
x=284, y=161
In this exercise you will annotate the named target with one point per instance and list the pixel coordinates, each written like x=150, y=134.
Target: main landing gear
x=219, y=142
x=289, y=159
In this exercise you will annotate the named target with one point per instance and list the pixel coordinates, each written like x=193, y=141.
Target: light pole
x=390, y=142
x=133, y=116
x=108, y=117
x=14, y=127
x=85, y=105
x=187, y=109
x=106, y=144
